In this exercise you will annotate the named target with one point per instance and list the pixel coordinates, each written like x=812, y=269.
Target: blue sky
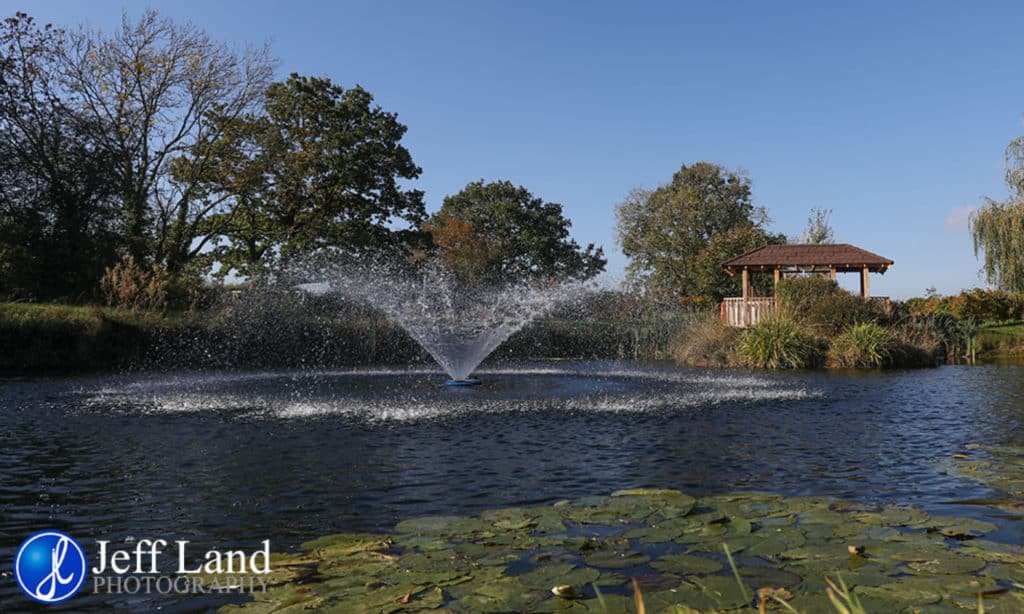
x=893, y=115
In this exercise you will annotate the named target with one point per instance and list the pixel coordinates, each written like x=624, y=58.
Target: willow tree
x=998, y=227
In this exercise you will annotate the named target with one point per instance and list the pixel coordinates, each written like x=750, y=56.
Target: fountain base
x=463, y=382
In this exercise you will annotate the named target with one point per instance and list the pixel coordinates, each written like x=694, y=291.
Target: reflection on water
x=229, y=459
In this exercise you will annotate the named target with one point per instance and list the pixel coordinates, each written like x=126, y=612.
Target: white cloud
x=959, y=217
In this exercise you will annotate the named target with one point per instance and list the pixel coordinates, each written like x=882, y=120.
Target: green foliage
x=58, y=224
x=670, y=233
x=778, y=343
x=820, y=303
x=979, y=304
x=865, y=345
x=320, y=167
x=498, y=232
x=1006, y=339
x=62, y=337
x=262, y=334
x=796, y=296
x=998, y=227
x=711, y=283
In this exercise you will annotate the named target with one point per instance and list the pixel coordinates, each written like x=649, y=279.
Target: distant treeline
x=286, y=332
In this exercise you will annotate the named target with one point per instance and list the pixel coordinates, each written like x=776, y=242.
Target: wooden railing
x=744, y=313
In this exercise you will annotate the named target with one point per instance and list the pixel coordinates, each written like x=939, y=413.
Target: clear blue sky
x=894, y=115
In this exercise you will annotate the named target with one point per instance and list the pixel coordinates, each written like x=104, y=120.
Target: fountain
x=459, y=324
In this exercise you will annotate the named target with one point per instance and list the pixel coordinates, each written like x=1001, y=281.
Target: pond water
x=230, y=459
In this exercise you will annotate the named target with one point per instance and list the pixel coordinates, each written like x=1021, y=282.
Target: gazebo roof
x=840, y=256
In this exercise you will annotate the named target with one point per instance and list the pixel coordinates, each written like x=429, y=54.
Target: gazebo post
x=778, y=275
x=746, y=284
x=865, y=283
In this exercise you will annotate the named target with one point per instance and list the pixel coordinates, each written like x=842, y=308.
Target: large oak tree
x=318, y=167
x=678, y=234
x=499, y=232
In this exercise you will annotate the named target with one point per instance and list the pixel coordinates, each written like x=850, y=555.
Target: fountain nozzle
x=463, y=382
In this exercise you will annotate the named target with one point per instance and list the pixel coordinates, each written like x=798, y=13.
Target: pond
x=229, y=459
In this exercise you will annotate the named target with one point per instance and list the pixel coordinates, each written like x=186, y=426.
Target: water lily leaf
x=662, y=493
x=994, y=551
x=724, y=591
x=546, y=576
x=960, y=528
x=686, y=564
x=423, y=543
x=971, y=585
x=615, y=559
x=503, y=595
x=757, y=576
x=703, y=534
x=441, y=525
x=344, y=544
x=738, y=526
x=900, y=593
x=654, y=535
x=704, y=515
x=817, y=552
x=946, y=563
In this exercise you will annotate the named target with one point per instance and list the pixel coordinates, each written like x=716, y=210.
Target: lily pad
x=687, y=564
x=616, y=559
x=548, y=576
x=947, y=564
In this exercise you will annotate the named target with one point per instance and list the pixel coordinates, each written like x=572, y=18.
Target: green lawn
x=1002, y=338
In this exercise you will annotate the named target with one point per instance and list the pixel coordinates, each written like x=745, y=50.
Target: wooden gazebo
x=790, y=260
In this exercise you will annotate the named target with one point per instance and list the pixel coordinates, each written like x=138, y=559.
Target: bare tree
x=819, y=228
x=159, y=83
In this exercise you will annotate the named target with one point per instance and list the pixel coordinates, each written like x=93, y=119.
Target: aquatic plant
x=654, y=550
x=863, y=345
x=778, y=343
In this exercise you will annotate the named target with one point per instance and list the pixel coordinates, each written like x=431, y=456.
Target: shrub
x=129, y=285
x=796, y=296
x=820, y=303
x=778, y=343
x=705, y=342
x=863, y=345
x=978, y=304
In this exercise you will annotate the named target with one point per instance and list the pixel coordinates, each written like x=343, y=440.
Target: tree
x=318, y=167
x=997, y=227
x=677, y=234
x=711, y=283
x=58, y=224
x=496, y=232
x=819, y=229
x=164, y=87
x=998, y=230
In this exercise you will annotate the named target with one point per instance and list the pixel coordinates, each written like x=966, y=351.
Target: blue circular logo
x=50, y=567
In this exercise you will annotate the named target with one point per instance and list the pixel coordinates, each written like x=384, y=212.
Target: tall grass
x=865, y=345
x=705, y=342
x=778, y=343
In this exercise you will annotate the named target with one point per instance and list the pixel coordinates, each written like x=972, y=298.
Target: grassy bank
x=62, y=338
x=1001, y=338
